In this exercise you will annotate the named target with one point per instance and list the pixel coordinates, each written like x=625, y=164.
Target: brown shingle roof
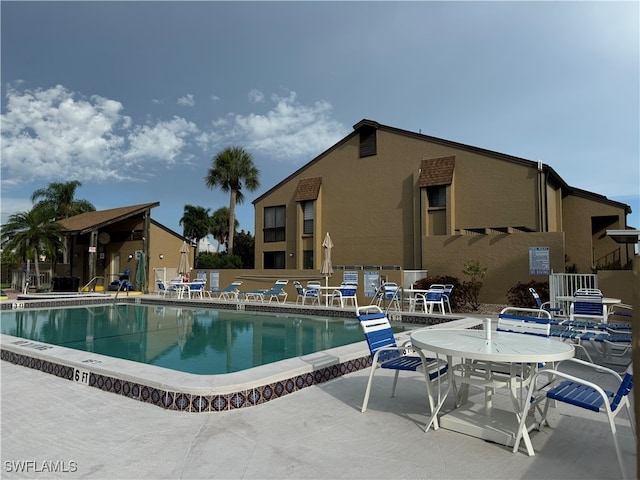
x=308, y=189
x=436, y=171
x=86, y=222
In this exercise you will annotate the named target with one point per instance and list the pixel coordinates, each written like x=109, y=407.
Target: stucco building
x=105, y=243
x=391, y=197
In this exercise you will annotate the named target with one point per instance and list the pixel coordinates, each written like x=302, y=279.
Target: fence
x=564, y=284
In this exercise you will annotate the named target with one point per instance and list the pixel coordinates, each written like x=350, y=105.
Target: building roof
x=364, y=123
x=436, y=171
x=308, y=189
x=86, y=222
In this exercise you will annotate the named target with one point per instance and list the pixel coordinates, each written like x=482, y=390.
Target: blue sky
x=135, y=98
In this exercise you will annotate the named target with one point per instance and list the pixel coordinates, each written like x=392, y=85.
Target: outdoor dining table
x=410, y=294
x=486, y=421
x=327, y=292
x=182, y=287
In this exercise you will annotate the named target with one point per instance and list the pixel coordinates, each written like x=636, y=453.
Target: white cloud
x=56, y=134
x=290, y=130
x=163, y=141
x=256, y=96
x=213, y=97
x=187, y=100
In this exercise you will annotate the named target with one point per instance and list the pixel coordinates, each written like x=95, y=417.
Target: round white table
x=607, y=301
x=483, y=421
x=502, y=347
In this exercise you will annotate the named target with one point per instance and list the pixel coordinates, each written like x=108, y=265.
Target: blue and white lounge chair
x=230, y=292
x=277, y=291
x=581, y=393
x=387, y=354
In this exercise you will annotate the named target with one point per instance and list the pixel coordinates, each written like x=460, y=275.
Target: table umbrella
x=183, y=265
x=327, y=269
x=141, y=273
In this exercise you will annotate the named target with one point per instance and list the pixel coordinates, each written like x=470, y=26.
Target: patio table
x=182, y=287
x=327, y=292
x=525, y=351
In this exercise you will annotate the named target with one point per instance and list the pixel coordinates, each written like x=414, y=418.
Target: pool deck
x=315, y=432
x=318, y=433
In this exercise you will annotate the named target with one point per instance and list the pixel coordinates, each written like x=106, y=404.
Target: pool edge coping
x=186, y=391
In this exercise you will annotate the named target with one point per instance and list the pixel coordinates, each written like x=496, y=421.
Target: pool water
x=193, y=340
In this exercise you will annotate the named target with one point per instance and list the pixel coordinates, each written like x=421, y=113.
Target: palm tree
x=59, y=202
x=232, y=167
x=219, y=226
x=59, y=199
x=196, y=223
x=32, y=233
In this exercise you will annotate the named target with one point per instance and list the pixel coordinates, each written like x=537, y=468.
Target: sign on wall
x=539, y=261
x=350, y=276
x=371, y=282
x=214, y=281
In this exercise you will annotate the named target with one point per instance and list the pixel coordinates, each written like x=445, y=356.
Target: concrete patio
x=317, y=432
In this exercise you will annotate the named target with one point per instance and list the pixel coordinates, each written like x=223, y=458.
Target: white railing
x=564, y=284
x=21, y=279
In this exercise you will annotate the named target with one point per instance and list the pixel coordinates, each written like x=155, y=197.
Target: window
x=307, y=213
x=437, y=196
x=274, y=260
x=274, y=224
x=368, y=143
x=307, y=259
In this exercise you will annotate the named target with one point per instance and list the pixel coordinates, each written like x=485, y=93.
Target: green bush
x=519, y=295
x=219, y=261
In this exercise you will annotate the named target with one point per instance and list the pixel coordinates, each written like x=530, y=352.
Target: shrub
x=473, y=269
x=519, y=295
x=219, y=261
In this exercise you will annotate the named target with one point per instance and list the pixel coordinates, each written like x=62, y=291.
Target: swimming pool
x=177, y=390
x=192, y=340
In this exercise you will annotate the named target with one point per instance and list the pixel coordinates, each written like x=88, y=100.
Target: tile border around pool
x=200, y=396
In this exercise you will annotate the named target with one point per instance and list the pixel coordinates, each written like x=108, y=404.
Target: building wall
x=585, y=225
x=377, y=213
x=506, y=257
x=376, y=201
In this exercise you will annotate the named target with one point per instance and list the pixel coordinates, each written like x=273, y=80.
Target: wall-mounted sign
x=539, y=261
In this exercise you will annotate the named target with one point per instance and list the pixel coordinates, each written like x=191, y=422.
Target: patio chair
x=434, y=297
x=448, y=290
x=390, y=294
x=165, y=289
x=555, y=310
x=589, y=306
x=387, y=354
x=311, y=292
x=276, y=291
x=344, y=293
x=572, y=390
x=196, y=289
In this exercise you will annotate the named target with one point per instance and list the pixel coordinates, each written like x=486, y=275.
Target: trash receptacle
x=74, y=284
x=55, y=284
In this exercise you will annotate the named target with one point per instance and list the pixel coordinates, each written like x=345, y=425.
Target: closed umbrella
x=141, y=273
x=327, y=268
x=183, y=265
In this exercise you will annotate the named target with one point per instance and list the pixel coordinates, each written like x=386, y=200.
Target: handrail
x=93, y=280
